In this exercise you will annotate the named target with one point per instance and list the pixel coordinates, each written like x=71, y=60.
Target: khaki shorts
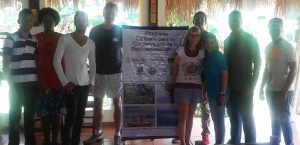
x=110, y=85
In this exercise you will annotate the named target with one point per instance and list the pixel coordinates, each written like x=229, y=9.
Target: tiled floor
x=262, y=134
x=262, y=126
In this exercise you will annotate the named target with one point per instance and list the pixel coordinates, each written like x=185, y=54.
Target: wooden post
x=153, y=12
x=34, y=6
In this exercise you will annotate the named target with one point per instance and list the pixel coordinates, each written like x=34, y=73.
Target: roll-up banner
x=149, y=111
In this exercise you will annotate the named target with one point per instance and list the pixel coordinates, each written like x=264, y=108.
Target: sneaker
x=205, y=139
x=117, y=140
x=96, y=137
x=189, y=143
x=175, y=140
x=275, y=140
x=229, y=141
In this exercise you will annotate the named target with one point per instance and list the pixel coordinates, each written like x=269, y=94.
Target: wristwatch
x=222, y=93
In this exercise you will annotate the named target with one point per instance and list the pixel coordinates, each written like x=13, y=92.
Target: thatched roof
x=127, y=4
x=56, y=3
x=184, y=9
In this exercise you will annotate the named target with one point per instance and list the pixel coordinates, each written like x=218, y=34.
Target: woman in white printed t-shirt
x=186, y=69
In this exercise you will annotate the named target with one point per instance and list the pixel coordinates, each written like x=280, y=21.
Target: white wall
x=24, y=3
x=144, y=12
x=161, y=13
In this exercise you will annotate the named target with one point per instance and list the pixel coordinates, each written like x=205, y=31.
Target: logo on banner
x=158, y=59
x=152, y=70
x=136, y=60
x=140, y=70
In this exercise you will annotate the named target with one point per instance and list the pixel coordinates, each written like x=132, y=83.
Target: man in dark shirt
x=242, y=53
x=108, y=41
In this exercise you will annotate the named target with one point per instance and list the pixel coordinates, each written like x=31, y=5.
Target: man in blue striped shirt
x=19, y=67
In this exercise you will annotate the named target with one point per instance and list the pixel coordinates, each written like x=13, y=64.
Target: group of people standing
x=201, y=72
x=48, y=73
x=53, y=66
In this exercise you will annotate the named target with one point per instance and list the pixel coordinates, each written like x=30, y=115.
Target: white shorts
x=110, y=85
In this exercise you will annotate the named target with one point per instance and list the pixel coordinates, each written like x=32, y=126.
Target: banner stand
x=148, y=103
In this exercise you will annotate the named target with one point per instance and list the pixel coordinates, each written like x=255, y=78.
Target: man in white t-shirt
x=279, y=74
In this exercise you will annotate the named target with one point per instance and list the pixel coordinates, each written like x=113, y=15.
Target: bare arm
x=175, y=67
x=256, y=61
x=224, y=80
x=263, y=83
x=292, y=64
x=92, y=63
x=289, y=81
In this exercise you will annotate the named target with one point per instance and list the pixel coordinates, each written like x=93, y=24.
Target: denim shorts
x=187, y=96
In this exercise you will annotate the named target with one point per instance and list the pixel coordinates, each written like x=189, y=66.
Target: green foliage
x=94, y=21
x=177, y=20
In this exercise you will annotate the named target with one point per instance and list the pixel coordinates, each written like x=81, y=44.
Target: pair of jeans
x=240, y=111
x=22, y=95
x=280, y=116
x=218, y=114
x=205, y=119
x=75, y=104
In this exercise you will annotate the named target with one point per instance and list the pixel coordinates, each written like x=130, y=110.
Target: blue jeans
x=280, y=116
x=205, y=119
x=218, y=114
x=240, y=111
